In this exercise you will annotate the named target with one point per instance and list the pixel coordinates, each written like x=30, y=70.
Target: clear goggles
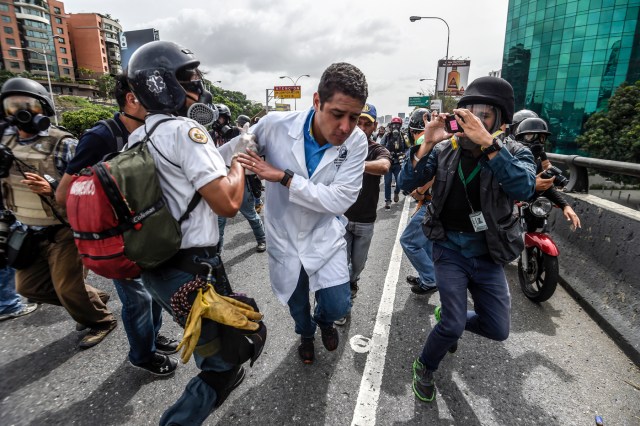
x=533, y=137
x=482, y=111
x=13, y=104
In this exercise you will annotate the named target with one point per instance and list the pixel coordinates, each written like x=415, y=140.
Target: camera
x=451, y=125
x=6, y=161
x=6, y=220
x=554, y=172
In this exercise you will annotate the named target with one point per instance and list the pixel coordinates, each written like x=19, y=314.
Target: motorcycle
x=538, y=270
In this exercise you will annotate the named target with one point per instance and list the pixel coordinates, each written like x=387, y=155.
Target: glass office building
x=565, y=58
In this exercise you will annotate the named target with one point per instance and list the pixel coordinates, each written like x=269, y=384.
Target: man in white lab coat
x=313, y=164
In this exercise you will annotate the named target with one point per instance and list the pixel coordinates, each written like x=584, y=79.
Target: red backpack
x=120, y=220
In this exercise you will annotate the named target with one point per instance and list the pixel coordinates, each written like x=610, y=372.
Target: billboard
x=286, y=92
x=130, y=41
x=283, y=107
x=457, y=77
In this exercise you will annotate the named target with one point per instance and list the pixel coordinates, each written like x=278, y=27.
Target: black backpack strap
x=192, y=205
x=115, y=130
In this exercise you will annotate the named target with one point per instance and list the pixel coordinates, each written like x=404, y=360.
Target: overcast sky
x=248, y=44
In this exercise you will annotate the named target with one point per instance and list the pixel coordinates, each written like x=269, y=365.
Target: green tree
x=615, y=134
x=5, y=75
x=79, y=120
x=106, y=86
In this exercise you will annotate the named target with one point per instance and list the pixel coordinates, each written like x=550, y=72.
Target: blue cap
x=369, y=111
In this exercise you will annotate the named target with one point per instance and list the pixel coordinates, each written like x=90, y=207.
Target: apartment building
x=96, y=42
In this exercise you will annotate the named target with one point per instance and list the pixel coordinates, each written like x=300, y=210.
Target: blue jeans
x=358, y=238
x=10, y=301
x=489, y=290
x=141, y=318
x=198, y=399
x=418, y=249
x=248, y=210
x=332, y=304
x=394, y=171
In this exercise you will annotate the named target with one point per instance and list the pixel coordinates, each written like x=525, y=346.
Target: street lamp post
x=417, y=18
x=46, y=66
x=432, y=79
x=295, y=83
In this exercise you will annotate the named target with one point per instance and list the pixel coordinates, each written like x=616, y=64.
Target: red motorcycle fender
x=543, y=241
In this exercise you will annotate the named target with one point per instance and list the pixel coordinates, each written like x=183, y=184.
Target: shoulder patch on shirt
x=197, y=135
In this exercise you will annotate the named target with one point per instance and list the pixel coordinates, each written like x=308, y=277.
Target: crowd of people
x=321, y=169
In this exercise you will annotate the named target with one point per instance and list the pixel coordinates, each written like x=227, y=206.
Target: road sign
x=283, y=107
x=419, y=101
x=286, y=92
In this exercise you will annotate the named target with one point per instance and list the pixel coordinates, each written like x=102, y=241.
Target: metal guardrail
x=579, y=176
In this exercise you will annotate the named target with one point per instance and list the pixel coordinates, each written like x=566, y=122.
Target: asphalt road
x=556, y=368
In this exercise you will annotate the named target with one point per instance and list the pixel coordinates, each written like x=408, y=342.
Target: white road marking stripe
x=366, y=406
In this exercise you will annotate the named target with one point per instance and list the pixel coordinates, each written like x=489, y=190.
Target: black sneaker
x=261, y=247
x=354, y=289
x=330, y=338
x=419, y=289
x=165, y=345
x=396, y=197
x=222, y=395
x=387, y=205
x=424, y=385
x=306, y=350
x=413, y=280
x=160, y=365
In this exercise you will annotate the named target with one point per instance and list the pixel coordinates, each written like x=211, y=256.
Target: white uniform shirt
x=188, y=145
x=305, y=223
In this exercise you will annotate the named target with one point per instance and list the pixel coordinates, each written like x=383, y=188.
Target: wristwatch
x=494, y=147
x=288, y=175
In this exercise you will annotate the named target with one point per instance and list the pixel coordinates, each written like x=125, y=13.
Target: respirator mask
x=26, y=114
x=202, y=110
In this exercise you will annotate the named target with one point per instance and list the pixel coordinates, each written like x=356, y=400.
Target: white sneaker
x=342, y=321
x=27, y=308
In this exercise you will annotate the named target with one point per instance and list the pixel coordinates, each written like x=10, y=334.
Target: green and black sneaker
x=424, y=385
x=437, y=312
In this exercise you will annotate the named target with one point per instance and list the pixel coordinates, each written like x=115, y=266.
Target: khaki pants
x=56, y=277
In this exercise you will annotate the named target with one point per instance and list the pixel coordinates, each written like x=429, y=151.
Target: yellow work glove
x=221, y=309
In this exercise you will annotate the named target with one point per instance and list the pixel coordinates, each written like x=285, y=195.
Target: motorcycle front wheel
x=538, y=279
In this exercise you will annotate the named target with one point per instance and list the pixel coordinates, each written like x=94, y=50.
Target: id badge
x=478, y=222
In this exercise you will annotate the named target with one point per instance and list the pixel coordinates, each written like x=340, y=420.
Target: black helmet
x=224, y=111
x=152, y=75
x=518, y=117
x=242, y=119
x=416, y=122
x=532, y=125
x=492, y=91
x=26, y=87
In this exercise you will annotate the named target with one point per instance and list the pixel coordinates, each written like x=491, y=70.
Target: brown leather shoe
x=96, y=335
x=330, y=338
x=306, y=350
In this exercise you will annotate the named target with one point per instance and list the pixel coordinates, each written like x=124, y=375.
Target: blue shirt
x=94, y=144
x=312, y=151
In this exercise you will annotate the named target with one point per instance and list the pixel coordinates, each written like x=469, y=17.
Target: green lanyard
x=473, y=174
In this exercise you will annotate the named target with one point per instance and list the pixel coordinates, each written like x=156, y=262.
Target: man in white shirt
x=166, y=80
x=314, y=163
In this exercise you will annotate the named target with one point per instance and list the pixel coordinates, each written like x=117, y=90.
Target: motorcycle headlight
x=541, y=207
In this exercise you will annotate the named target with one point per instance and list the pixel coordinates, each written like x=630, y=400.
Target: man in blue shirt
x=141, y=316
x=478, y=175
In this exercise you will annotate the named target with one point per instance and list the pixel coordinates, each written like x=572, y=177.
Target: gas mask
x=204, y=99
x=26, y=114
x=535, y=142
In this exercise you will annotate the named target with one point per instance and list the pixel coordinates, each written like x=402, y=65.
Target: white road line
x=366, y=406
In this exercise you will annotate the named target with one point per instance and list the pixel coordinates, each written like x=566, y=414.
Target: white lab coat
x=305, y=223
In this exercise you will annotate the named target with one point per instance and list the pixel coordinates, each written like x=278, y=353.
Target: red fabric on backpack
x=89, y=210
